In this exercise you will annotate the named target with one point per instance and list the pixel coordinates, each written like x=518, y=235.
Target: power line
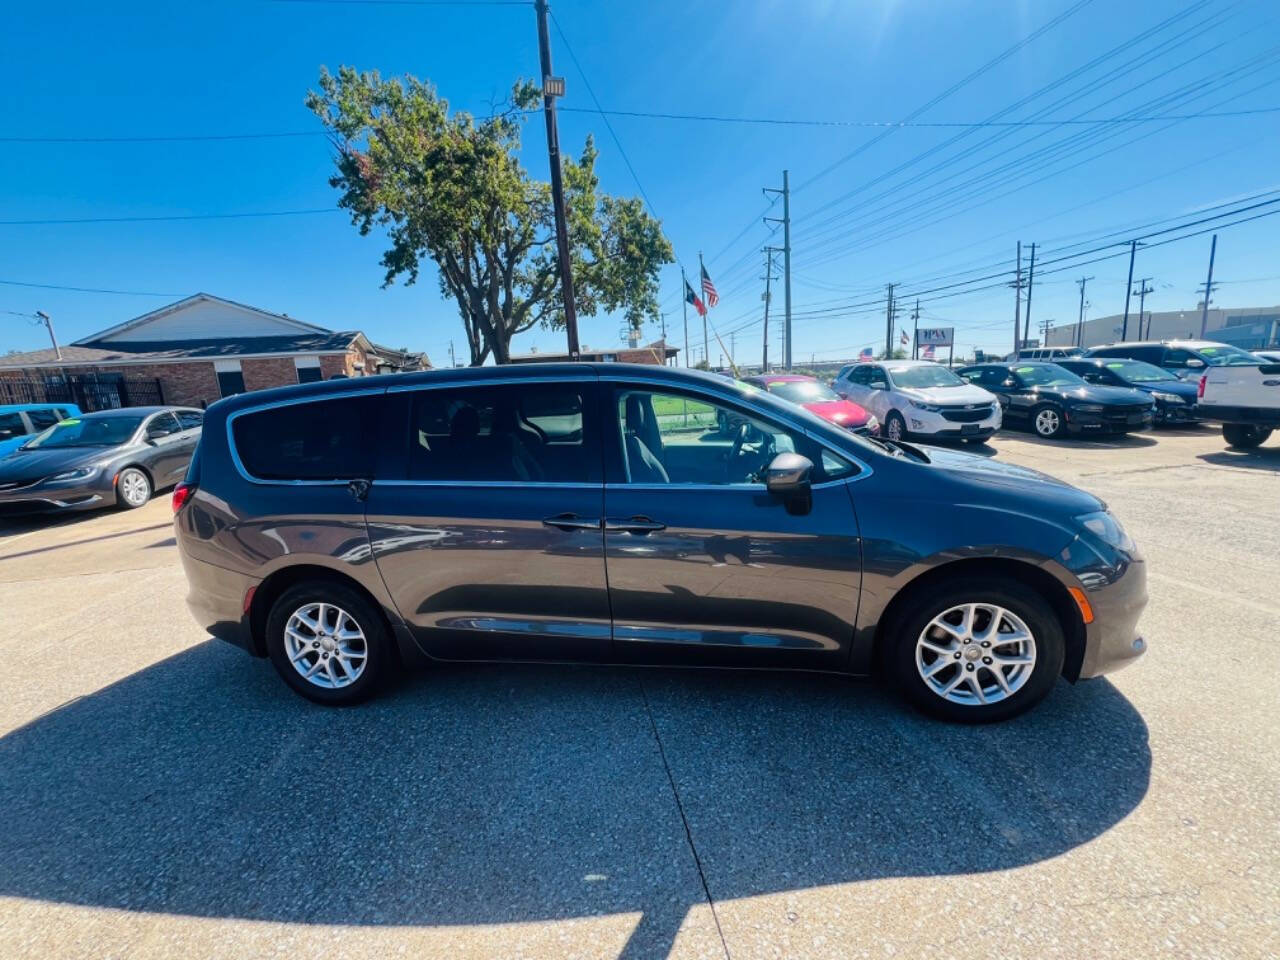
x=55, y=286
x=172, y=217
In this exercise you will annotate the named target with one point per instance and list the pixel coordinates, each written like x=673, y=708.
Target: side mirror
x=787, y=477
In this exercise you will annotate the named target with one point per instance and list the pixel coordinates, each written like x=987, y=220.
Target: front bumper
x=929, y=423
x=1112, y=641
x=51, y=497
x=1177, y=413
x=1107, y=422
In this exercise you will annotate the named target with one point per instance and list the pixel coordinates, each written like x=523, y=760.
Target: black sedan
x=1053, y=401
x=1175, y=398
x=116, y=457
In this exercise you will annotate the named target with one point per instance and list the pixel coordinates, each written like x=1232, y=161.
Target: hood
x=986, y=474
x=1092, y=393
x=1188, y=390
x=38, y=464
x=843, y=413
x=950, y=396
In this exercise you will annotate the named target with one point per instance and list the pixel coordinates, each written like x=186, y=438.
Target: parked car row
x=84, y=461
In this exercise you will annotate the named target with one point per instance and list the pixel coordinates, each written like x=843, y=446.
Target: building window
x=308, y=369
x=230, y=378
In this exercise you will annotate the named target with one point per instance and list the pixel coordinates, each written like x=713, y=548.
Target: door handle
x=571, y=521
x=637, y=525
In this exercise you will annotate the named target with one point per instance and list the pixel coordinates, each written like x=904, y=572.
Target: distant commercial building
x=1247, y=327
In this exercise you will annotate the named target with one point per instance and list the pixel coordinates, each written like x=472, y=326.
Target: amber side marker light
x=1086, y=611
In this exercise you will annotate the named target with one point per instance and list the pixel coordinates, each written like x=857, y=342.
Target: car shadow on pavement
x=482, y=795
x=1260, y=458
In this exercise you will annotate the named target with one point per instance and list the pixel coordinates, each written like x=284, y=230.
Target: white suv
x=922, y=398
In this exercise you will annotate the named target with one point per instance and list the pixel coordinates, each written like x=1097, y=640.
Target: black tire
x=135, y=481
x=378, y=650
x=1244, y=436
x=1057, y=418
x=901, y=636
x=887, y=431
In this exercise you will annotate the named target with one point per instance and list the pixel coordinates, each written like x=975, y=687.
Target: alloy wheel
x=134, y=488
x=975, y=654
x=1047, y=422
x=325, y=645
x=894, y=428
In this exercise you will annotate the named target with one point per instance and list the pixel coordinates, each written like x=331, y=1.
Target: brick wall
x=183, y=384
x=345, y=364
x=273, y=372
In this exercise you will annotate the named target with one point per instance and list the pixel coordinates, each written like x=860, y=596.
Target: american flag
x=927, y=352
x=709, y=289
x=866, y=355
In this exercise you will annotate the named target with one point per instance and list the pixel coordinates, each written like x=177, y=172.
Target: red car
x=816, y=397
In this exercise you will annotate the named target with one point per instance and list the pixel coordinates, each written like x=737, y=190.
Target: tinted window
x=876, y=377
x=190, y=419
x=308, y=374
x=517, y=433
x=43, y=419
x=323, y=440
x=861, y=375
x=11, y=425
x=163, y=425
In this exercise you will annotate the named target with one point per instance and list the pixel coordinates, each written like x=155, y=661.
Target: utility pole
x=1080, y=322
x=786, y=264
x=706, y=344
x=1142, y=300
x=768, y=276
x=888, y=325
x=1017, y=304
x=684, y=296
x=1128, y=292
x=48, y=325
x=1208, y=287
x=1031, y=278
x=552, y=87
x=732, y=337
x=915, y=331
x=452, y=363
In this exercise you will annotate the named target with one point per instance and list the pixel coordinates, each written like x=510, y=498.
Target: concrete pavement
x=165, y=794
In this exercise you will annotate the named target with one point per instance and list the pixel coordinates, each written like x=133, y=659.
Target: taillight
x=1200, y=389
x=181, y=494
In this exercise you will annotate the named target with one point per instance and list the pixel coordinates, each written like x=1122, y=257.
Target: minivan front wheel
x=327, y=642
x=977, y=651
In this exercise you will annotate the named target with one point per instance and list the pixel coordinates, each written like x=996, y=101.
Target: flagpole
x=684, y=302
x=706, y=344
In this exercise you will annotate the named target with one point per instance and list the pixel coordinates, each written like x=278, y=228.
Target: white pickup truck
x=1244, y=399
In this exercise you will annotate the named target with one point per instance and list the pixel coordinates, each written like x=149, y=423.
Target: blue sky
x=79, y=70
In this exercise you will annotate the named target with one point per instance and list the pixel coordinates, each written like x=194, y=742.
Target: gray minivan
x=599, y=513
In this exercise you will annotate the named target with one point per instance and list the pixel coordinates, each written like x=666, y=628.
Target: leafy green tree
x=450, y=188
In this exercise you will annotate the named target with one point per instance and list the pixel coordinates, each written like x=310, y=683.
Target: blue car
x=19, y=422
x=1175, y=398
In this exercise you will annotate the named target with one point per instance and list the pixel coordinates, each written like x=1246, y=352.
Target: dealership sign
x=936, y=336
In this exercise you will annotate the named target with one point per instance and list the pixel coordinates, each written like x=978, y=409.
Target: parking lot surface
x=166, y=795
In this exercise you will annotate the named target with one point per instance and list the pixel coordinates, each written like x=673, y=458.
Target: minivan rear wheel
x=976, y=650
x=327, y=642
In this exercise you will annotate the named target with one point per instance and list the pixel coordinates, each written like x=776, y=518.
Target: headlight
x=1107, y=529
x=1167, y=397
x=931, y=407
x=1088, y=407
x=83, y=473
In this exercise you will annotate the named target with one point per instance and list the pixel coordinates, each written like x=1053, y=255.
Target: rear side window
x=190, y=419
x=528, y=433
x=11, y=425
x=321, y=440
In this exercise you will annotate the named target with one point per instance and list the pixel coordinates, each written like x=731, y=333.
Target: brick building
x=199, y=350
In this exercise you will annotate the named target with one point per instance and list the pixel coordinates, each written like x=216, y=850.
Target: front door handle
x=571, y=521
x=639, y=525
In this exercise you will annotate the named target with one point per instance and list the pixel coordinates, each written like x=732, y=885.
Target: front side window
x=321, y=440
x=42, y=419
x=518, y=433
x=877, y=378
x=1223, y=355
x=11, y=425
x=860, y=375
x=670, y=438
x=163, y=425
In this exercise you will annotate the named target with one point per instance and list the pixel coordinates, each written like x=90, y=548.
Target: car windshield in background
x=1221, y=355
x=1135, y=371
x=924, y=377
x=803, y=391
x=1047, y=375
x=96, y=432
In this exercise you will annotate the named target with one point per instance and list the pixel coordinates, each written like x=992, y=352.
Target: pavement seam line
x=688, y=832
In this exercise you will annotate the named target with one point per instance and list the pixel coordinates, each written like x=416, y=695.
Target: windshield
x=1047, y=375
x=95, y=432
x=1135, y=371
x=1221, y=355
x=925, y=376
x=802, y=391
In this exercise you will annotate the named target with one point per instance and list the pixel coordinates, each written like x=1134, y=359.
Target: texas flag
x=692, y=298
